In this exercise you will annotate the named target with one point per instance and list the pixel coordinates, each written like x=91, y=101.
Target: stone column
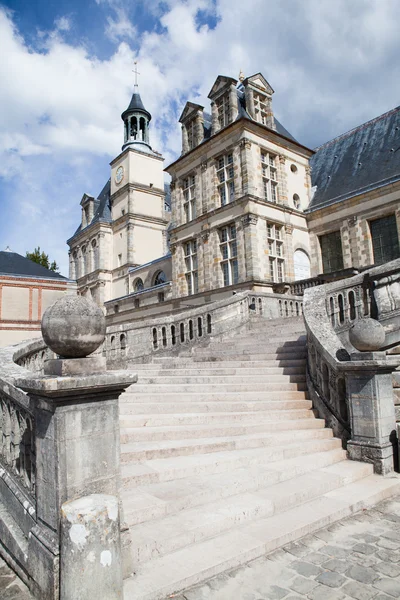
x=205, y=265
x=72, y=274
x=370, y=396
x=130, y=246
x=203, y=187
x=249, y=223
x=77, y=438
x=289, y=258
x=185, y=140
x=102, y=250
x=199, y=128
x=270, y=115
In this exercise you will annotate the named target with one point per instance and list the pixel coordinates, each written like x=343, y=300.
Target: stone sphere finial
x=73, y=327
x=367, y=335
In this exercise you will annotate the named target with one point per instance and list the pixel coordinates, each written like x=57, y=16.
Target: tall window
x=160, y=278
x=138, y=286
x=275, y=252
x=189, y=198
x=385, y=239
x=269, y=177
x=260, y=108
x=331, y=252
x=191, y=267
x=223, y=108
x=225, y=174
x=229, y=261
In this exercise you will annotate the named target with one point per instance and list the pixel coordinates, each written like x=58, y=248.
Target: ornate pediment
x=221, y=84
x=86, y=198
x=259, y=82
x=190, y=110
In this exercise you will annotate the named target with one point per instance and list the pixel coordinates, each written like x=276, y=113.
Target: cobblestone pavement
x=357, y=558
x=11, y=587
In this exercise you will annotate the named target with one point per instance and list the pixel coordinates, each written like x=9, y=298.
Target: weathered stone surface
x=362, y=574
x=389, y=586
x=91, y=564
x=331, y=579
x=70, y=367
x=367, y=335
x=73, y=327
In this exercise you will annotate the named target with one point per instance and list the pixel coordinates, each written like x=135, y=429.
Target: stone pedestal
x=371, y=406
x=91, y=549
x=77, y=447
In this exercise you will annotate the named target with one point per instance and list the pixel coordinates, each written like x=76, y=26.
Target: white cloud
x=333, y=65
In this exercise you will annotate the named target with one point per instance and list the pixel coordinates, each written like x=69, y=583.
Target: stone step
x=220, y=363
x=154, y=370
x=217, y=379
x=141, y=451
x=159, y=537
x=140, y=406
x=238, y=388
x=149, y=420
x=187, y=431
x=166, y=396
x=168, y=497
x=164, y=469
x=190, y=565
x=256, y=353
x=281, y=343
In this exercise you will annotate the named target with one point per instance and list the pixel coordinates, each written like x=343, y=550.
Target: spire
x=136, y=121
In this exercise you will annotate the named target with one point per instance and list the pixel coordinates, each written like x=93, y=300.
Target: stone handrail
x=334, y=365
x=194, y=325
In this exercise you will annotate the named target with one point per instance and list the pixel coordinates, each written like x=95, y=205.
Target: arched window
x=138, y=285
x=160, y=278
x=302, y=268
x=296, y=201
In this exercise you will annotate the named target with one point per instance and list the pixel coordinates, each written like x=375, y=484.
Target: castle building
x=248, y=207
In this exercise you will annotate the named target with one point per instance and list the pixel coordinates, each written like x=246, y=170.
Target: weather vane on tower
x=136, y=73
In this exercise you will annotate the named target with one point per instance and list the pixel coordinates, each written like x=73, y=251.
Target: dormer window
x=260, y=108
x=223, y=107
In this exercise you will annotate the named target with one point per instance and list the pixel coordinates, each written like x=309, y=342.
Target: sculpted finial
x=241, y=75
x=136, y=73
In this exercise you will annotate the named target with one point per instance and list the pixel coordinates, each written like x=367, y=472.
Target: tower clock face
x=119, y=174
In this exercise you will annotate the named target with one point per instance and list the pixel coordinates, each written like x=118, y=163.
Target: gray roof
x=102, y=208
x=358, y=161
x=14, y=264
x=135, y=105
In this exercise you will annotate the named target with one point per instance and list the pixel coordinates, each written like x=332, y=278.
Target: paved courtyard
x=11, y=588
x=355, y=559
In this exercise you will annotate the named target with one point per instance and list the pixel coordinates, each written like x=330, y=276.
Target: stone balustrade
x=338, y=373
x=138, y=340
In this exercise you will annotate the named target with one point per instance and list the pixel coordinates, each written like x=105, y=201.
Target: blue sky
x=66, y=76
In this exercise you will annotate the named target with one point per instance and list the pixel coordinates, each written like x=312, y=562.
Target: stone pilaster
x=206, y=264
x=288, y=253
x=214, y=118
x=185, y=141
x=237, y=171
x=270, y=114
x=72, y=274
x=246, y=167
x=346, y=250
x=249, y=223
x=233, y=101
x=203, y=187
x=250, y=102
x=199, y=127
x=130, y=243
x=102, y=251
x=282, y=181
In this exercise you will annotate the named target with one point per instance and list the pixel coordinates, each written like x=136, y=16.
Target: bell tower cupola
x=136, y=121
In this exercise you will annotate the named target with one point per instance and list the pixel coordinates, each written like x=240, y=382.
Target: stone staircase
x=223, y=459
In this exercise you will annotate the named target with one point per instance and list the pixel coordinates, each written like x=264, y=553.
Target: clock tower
x=137, y=197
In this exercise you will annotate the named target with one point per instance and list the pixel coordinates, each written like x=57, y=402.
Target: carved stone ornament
x=172, y=185
x=282, y=159
x=245, y=144
x=308, y=170
x=249, y=220
x=204, y=166
x=289, y=229
x=352, y=221
x=172, y=248
x=205, y=236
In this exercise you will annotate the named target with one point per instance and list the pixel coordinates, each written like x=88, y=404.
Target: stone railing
x=336, y=370
x=56, y=461
x=194, y=325
x=297, y=288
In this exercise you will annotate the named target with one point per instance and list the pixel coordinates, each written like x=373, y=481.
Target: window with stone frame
x=229, y=261
x=191, y=267
x=260, y=108
x=225, y=175
x=223, y=109
x=276, y=252
x=331, y=252
x=191, y=133
x=385, y=239
x=189, y=198
x=269, y=176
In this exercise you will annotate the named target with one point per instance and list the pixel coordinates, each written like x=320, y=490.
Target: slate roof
x=102, y=208
x=363, y=159
x=135, y=104
x=14, y=264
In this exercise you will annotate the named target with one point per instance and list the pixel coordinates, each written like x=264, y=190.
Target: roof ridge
x=357, y=128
